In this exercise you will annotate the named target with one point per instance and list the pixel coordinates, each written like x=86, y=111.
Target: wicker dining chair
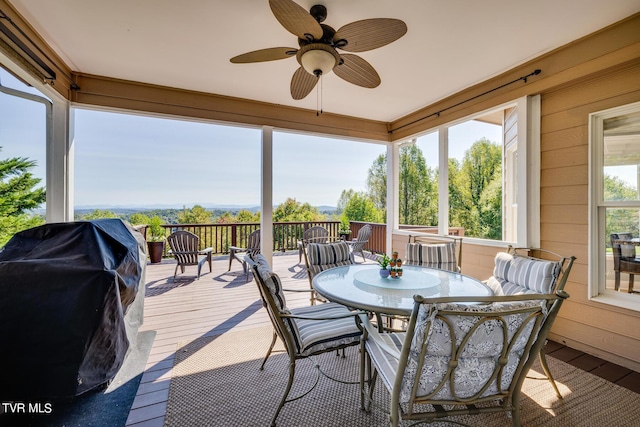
x=184, y=246
x=459, y=356
x=304, y=331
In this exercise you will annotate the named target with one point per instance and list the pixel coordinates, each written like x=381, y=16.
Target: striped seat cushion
x=386, y=364
x=323, y=256
x=433, y=255
x=513, y=275
x=317, y=335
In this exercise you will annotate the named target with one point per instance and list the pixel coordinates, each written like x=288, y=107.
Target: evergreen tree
x=18, y=195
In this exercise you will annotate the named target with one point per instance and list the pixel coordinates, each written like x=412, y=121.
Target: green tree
x=418, y=190
x=98, y=214
x=293, y=211
x=139, y=219
x=18, y=195
x=344, y=198
x=377, y=182
x=247, y=216
x=195, y=215
x=360, y=207
x=620, y=220
x=475, y=201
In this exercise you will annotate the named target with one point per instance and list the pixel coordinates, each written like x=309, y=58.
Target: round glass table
x=361, y=287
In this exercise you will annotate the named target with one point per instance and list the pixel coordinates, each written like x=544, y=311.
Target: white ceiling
x=449, y=45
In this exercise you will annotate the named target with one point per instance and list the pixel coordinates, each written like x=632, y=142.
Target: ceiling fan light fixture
x=318, y=59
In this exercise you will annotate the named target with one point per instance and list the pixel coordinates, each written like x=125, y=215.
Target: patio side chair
x=357, y=245
x=518, y=272
x=185, y=248
x=437, y=251
x=323, y=256
x=459, y=356
x=304, y=331
x=317, y=234
x=238, y=253
x=624, y=261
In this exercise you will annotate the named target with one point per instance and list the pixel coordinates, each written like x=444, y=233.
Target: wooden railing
x=286, y=234
x=378, y=240
x=221, y=236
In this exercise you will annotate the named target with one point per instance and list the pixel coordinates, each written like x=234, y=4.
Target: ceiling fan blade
x=370, y=34
x=357, y=71
x=296, y=19
x=302, y=83
x=270, y=54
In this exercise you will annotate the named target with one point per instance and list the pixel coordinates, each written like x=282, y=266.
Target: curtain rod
x=437, y=113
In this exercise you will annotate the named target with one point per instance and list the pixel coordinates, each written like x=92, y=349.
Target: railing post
x=234, y=235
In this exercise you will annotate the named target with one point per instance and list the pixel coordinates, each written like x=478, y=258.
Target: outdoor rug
x=108, y=407
x=217, y=382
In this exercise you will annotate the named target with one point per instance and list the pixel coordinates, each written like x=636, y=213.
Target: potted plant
x=344, y=231
x=155, y=239
x=384, y=265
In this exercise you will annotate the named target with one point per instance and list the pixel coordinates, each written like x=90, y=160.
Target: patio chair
x=357, y=245
x=624, y=261
x=443, y=252
x=317, y=234
x=185, y=248
x=305, y=331
x=459, y=356
x=253, y=248
x=323, y=256
x=517, y=272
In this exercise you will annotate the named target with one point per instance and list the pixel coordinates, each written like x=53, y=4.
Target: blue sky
x=135, y=160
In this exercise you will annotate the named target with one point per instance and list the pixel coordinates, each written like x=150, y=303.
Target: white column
x=59, y=164
x=393, y=178
x=266, y=195
x=443, y=180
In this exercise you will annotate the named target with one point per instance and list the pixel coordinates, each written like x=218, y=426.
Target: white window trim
x=597, y=263
x=528, y=173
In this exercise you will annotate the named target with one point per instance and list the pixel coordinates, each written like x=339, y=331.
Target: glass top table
x=361, y=287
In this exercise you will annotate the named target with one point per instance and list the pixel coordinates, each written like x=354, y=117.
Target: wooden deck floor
x=188, y=309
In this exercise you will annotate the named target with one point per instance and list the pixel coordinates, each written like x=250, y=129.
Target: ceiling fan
x=318, y=54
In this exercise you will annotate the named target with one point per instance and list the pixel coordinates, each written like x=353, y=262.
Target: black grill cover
x=64, y=291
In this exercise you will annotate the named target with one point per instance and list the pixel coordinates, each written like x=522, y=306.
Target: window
x=486, y=167
x=614, y=203
x=23, y=135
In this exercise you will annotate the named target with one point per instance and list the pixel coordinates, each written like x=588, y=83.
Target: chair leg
x=209, y=260
x=617, y=275
x=273, y=343
x=630, y=290
x=292, y=371
x=547, y=372
x=176, y=271
x=230, y=259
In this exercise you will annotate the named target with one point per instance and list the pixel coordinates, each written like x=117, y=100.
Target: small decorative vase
x=399, y=272
x=393, y=273
x=384, y=273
